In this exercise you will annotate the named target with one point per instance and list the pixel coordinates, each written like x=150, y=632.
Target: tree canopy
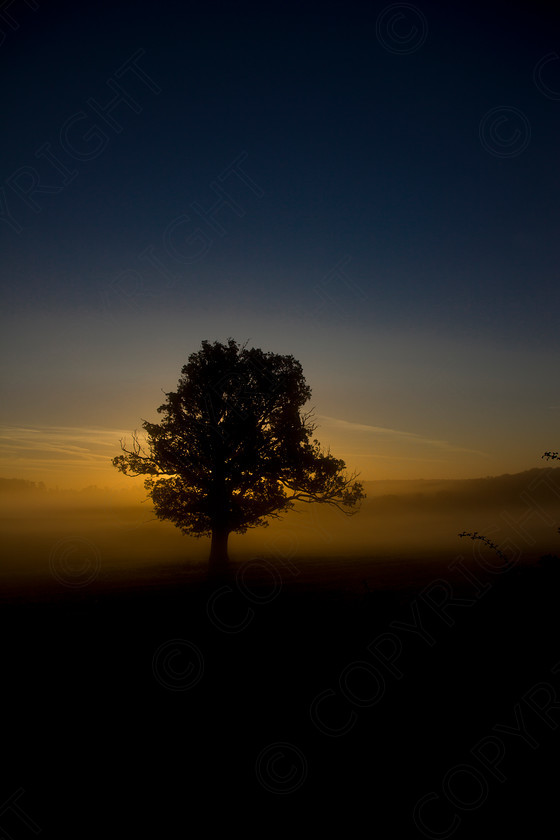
x=235, y=448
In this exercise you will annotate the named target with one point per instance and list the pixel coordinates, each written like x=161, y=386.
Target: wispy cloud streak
x=350, y=428
x=56, y=447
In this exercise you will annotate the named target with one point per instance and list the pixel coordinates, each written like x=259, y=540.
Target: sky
x=369, y=187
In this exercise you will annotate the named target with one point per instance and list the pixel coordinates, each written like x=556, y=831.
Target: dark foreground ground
x=409, y=695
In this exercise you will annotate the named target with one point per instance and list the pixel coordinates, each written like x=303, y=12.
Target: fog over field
x=75, y=538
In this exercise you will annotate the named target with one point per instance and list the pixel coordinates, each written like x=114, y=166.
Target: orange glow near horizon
x=75, y=458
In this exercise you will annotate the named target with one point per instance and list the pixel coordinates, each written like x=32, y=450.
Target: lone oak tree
x=234, y=447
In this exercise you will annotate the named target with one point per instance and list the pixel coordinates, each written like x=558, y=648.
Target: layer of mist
x=73, y=539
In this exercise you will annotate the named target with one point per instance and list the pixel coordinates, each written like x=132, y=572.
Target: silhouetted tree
x=234, y=447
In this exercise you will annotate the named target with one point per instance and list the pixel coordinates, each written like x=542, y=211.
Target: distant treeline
x=19, y=486
x=532, y=488
x=22, y=488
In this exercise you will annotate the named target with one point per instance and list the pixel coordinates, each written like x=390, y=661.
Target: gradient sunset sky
x=371, y=187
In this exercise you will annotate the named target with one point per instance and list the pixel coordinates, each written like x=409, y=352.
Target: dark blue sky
x=389, y=177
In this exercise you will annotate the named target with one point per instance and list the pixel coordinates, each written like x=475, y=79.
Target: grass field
x=166, y=702
x=414, y=691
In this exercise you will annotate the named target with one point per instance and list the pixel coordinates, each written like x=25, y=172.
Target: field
x=412, y=690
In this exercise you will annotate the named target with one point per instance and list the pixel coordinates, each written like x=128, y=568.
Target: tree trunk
x=219, y=560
